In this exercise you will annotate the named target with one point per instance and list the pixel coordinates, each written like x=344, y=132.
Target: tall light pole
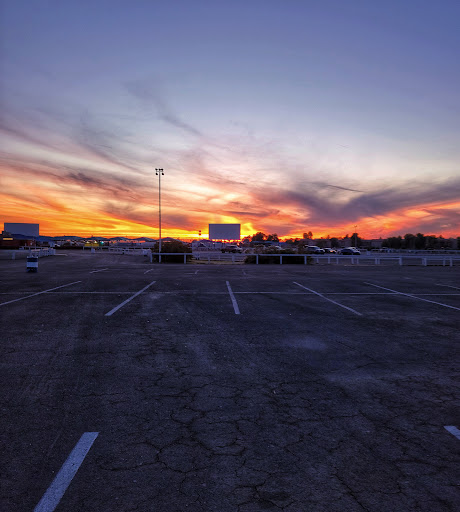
x=159, y=173
x=356, y=236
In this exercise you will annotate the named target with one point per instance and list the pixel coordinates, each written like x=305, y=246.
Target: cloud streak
x=147, y=92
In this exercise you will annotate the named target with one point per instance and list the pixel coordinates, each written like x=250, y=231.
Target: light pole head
x=159, y=171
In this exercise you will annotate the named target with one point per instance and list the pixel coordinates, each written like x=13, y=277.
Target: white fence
x=217, y=256
x=381, y=259
x=23, y=253
x=419, y=259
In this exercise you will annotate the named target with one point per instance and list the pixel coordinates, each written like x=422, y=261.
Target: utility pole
x=356, y=237
x=159, y=173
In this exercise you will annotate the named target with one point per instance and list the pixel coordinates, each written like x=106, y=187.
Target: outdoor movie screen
x=224, y=231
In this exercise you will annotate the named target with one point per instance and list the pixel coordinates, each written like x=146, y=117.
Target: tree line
x=409, y=241
x=420, y=241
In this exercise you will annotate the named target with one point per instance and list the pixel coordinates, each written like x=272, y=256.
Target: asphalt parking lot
x=129, y=386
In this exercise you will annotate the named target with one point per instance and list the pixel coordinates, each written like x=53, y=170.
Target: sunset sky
x=285, y=116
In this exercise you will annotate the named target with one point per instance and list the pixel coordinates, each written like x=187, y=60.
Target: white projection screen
x=224, y=231
x=22, y=229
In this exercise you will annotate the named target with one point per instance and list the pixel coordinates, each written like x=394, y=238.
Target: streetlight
x=159, y=173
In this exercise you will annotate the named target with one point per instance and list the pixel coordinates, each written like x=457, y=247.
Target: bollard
x=32, y=263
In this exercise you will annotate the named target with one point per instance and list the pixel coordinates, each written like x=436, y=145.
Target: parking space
x=229, y=387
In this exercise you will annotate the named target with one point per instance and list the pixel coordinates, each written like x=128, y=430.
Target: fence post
x=257, y=259
x=281, y=259
x=424, y=262
x=185, y=258
x=400, y=261
x=451, y=262
x=305, y=260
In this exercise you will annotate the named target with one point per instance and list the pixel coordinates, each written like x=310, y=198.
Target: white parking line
x=232, y=296
x=414, y=297
x=39, y=293
x=101, y=270
x=453, y=430
x=146, y=272
x=58, y=487
x=330, y=300
x=448, y=286
x=329, y=293
x=112, y=311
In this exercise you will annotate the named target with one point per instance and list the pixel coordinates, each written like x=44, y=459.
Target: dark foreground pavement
x=230, y=388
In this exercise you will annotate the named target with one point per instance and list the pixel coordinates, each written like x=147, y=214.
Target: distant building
x=10, y=241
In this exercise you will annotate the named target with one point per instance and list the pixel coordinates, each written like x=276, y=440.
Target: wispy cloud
x=148, y=93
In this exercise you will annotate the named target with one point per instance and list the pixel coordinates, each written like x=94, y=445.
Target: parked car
x=327, y=250
x=350, y=251
x=232, y=248
x=313, y=249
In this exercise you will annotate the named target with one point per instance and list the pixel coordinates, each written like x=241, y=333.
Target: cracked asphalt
x=295, y=404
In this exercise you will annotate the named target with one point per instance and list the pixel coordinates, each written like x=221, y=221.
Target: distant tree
x=308, y=235
x=430, y=242
x=334, y=242
x=273, y=238
x=409, y=241
x=394, y=242
x=259, y=237
x=442, y=243
x=420, y=241
x=356, y=240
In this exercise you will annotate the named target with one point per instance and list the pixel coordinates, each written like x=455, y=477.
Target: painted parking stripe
x=454, y=431
x=448, y=286
x=330, y=300
x=39, y=293
x=101, y=270
x=116, y=308
x=232, y=296
x=58, y=487
x=414, y=296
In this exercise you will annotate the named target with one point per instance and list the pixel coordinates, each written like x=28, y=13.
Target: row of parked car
x=350, y=251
